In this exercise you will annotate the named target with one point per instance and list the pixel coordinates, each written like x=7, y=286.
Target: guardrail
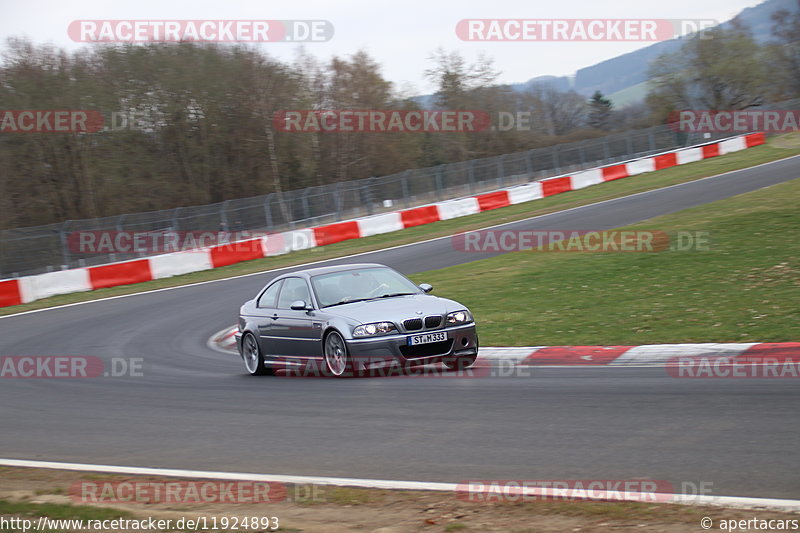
x=30, y=288
x=33, y=250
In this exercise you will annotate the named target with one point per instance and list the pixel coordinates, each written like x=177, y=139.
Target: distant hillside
x=624, y=77
x=628, y=70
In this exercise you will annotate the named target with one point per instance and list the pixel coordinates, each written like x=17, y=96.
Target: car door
x=266, y=309
x=297, y=332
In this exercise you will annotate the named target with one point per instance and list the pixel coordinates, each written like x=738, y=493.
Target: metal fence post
x=368, y=196
x=471, y=175
x=406, y=189
x=337, y=199
x=175, y=224
x=529, y=163
x=606, y=151
x=556, y=165
x=652, y=140
x=306, y=206
x=629, y=144
x=268, y=212
x=501, y=173
x=62, y=235
x=438, y=181
x=223, y=215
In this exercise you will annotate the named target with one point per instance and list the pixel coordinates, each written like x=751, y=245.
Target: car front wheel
x=337, y=360
x=459, y=363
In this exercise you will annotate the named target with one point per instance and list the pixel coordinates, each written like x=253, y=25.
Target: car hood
x=395, y=309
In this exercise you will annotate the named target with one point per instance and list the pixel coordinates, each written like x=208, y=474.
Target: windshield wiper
x=349, y=301
x=392, y=295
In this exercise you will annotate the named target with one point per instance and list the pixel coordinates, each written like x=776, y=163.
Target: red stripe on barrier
x=493, y=200
x=332, y=233
x=575, y=355
x=419, y=216
x=556, y=186
x=10, y=293
x=710, y=150
x=666, y=161
x=615, y=172
x=772, y=350
x=755, y=139
x=120, y=274
x=229, y=254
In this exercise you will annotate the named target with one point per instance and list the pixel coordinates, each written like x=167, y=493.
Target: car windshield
x=359, y=285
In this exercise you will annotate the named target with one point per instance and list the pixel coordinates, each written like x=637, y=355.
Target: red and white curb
x=29, y=288
x=655, y=355
x=539, y=492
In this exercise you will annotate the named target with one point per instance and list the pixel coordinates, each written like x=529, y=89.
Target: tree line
x=191, y=124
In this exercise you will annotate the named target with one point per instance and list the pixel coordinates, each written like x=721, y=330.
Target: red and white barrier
x=657, y=355
x=30, y=288
x=783, y=357
x=175, y=264
x=525, y=193
x=379, y=224
x=54, y=283
x=587, y=178
x=458, y=208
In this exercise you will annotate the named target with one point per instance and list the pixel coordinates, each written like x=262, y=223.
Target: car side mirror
x=300, y=305
x=426, y=287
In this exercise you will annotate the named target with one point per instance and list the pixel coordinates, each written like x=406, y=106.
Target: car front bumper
x=385, y=350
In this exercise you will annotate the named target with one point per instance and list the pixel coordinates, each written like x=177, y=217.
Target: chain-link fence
x=38, y=249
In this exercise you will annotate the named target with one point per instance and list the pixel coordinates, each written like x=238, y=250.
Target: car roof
x=330, y=269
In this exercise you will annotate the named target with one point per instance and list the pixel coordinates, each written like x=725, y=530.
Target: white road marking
x=684, y=499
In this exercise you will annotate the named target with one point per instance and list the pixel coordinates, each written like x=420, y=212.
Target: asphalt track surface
x=195, y=408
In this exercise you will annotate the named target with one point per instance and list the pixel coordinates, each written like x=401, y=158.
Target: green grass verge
x=745, y=288
x=776, y=148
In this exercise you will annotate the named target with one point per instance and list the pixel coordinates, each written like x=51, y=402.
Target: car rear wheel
x=337, y=360
x=253, y=358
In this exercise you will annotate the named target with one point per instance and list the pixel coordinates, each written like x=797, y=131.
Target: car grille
x=433, y=321
x=427, y=350
x=412, y=324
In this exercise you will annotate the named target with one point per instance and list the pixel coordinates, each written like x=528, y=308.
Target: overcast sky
x=401, y=35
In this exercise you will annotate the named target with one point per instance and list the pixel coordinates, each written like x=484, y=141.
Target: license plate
x=427, y=338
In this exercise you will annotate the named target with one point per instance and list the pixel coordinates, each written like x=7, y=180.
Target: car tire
x=253, y=358
x=459, y=363
x=338, y=362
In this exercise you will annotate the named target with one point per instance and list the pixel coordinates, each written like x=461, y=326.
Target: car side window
x=293, y=289
x=270, y=295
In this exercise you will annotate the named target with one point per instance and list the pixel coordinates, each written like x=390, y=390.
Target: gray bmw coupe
x=350, y=318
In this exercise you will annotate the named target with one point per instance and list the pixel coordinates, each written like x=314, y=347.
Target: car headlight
x=376, y=328
x=459, y=317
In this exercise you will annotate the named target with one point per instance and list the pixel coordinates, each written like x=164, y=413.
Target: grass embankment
x=745, y=288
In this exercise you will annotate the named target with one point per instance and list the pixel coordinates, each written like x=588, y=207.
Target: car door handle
x=275, y=316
